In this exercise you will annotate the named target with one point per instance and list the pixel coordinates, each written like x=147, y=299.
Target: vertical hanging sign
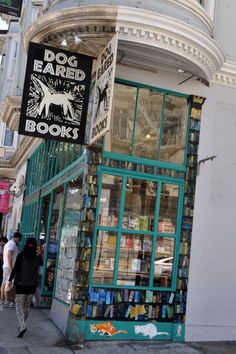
x=11, y=7
x=4, y=197
x=55, y=96
x=103, y=91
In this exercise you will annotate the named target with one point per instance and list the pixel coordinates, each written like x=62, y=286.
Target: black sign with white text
x=11, y=7
x=55, y=97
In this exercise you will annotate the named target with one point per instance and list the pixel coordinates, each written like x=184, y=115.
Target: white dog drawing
x=59, y=99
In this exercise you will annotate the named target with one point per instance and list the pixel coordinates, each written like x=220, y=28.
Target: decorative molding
x=191, y=6
x=227, y=75
x=196, y=9
x=137, y=26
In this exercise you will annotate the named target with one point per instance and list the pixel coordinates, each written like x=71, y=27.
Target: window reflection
x=122, y=121
x=68, y=242
x=164, y=262
x=135, y=260
x=168, y=208
x=148, y=121
x=104, y=258
x=174, y=129
x=110, y=200
x=140, y=202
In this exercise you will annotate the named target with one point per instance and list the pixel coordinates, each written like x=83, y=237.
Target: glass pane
x=168, y=208
x=53, y=242
x=8, y=138
x=135, y=260
x=174, y=129
x=140, y=202
x=103, y=268
x=164, y=262
x=68, y=243
x=148, y=122
x=122, y=120
x=110, y=200
x=44, y=224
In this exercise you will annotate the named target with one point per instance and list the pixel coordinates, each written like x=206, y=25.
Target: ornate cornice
x=227, y=75
x=191, y=7
x=137, y=26
x=169, y=34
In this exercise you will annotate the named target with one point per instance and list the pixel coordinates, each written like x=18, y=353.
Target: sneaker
x=11, y=304
x=6, y=304
x=22, y=332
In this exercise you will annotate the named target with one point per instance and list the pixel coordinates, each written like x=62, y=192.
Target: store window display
x=136, y=236
x=69, y=239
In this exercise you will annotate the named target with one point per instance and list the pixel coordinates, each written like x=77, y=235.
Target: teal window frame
x=141, y=160
x=155, y=234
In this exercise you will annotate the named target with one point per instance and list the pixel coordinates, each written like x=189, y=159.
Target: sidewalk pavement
x=43, y=337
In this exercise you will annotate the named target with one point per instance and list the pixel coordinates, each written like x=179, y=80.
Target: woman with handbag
x=25, y=275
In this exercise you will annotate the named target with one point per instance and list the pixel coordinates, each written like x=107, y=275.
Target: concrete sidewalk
x=43, y=337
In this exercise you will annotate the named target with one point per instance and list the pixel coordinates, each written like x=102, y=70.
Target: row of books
x=132, y=296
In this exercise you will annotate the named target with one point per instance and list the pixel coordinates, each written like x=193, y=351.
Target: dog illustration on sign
x=102, y=97
x=58, y=99
x=149, y=330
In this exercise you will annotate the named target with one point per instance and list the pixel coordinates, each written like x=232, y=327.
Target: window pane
x=140, y=202
x=8, y=139
x=135, y=260
x=148, y=122
x=122, y=120
x=174, y=129
x=68, y=242
x=164, y=262
x=168, y=208
x=104, y=258
x=110, y=200
x=53, y=238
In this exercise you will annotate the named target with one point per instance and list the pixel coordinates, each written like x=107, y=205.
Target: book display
x=136, y=249
x=188, y=208
x=86, y=230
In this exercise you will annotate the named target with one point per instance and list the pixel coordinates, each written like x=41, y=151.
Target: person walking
x=3, y=241
x=25, y=274
x=10, y=252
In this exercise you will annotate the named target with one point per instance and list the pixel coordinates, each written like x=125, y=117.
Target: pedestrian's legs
x=20, y=300
x=27, y=304
x=4, y=293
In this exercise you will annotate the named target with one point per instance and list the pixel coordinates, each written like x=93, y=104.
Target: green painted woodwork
x=131, y=157
x=79, y=330
x=155, y=234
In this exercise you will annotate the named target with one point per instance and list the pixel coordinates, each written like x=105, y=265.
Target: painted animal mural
x=149, y=330
x=105, y=328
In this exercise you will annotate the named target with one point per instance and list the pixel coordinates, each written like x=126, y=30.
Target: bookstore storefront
x=131, y=268
x=114, y=222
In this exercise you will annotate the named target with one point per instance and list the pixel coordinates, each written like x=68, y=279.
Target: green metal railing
x=47, y=161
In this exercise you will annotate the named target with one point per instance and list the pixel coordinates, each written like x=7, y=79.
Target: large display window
x=137, y=236
x=148, y=123
x=68, y=240
x=49, y=237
